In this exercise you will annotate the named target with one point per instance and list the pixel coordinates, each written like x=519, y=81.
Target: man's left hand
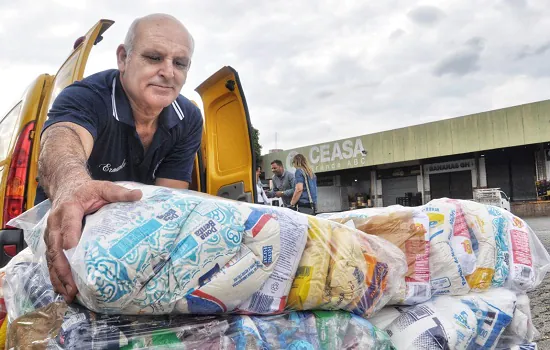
x=279, y=194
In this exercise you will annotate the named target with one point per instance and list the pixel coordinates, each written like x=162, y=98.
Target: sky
x=314, y=70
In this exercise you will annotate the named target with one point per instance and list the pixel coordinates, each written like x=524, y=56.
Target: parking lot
x=540, y=298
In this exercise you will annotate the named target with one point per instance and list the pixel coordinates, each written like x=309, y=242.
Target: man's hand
x=279, y=194
x=64, y=225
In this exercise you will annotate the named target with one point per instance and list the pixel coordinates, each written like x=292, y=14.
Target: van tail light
x=14, y=199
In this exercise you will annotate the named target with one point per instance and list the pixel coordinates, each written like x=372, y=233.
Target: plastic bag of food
x=62, y=326
x=483, y=236
x=529, y=260
x=494, y=310
x=451, y=255
x=344, y=268
x=26, y=285
x=521, y=330
x=408, y=229
x=172, y=251
x=178, y=251
x=441, y=323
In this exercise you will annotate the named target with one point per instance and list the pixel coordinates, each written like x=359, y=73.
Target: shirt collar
x=122, y=111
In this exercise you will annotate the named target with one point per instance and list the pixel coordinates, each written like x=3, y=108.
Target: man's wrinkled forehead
x=166, y=33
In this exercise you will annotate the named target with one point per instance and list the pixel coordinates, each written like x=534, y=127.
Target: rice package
x=451, y=255
x=408, y=229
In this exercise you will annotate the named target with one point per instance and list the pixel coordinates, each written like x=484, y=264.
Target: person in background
x=283, y=183
x=262, y=198
x=304, y=199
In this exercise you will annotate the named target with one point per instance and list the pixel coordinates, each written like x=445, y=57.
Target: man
x=129, y=124
x=262, y=198
x=283, y=182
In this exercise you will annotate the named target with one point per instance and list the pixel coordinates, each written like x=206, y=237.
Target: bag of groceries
x=179, y=251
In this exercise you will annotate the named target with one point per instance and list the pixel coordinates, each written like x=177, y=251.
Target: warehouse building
x=507, y=148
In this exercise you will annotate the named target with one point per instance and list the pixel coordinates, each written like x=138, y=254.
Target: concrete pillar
x=427, y=196
x=482, y=172
x=373, y=188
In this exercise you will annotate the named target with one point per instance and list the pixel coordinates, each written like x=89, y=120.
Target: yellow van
x=224, y=165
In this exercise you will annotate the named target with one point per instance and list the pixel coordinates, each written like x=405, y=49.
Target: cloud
x=314, y=71
x=463, y=61
x=528, y=51
x=426, y=15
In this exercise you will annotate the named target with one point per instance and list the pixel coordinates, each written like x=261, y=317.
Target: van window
x=7, y=130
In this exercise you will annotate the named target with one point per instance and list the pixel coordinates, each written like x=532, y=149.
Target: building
x=507, y=148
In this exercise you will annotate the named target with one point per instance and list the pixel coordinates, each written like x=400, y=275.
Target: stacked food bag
x=183, y=253
x=482, y=261
x=188, y=270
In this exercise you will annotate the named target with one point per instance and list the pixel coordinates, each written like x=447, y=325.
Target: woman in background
x=262, y=198
x=304, y=199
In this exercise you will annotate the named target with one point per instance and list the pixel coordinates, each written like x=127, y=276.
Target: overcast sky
x=315, y=70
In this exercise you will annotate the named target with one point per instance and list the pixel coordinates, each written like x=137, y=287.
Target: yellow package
x=347, y=269
x=309, y=283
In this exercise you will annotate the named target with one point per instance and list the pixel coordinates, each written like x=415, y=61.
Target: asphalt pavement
x=540, y=297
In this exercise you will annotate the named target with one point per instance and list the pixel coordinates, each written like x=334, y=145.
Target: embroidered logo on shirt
x=109, y=169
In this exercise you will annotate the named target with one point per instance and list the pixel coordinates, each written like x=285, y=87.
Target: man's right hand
x=64, y=225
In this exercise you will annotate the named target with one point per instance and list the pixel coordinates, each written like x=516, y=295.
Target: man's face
x=156, y=68
x=277, y=170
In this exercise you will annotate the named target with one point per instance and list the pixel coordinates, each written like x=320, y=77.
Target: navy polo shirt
x=99, y=104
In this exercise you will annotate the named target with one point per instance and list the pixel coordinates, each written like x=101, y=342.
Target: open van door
x=20, y=181
x=70, y=71
x=229, y=157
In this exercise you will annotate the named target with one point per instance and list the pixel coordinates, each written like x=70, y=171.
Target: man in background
x=283, y=183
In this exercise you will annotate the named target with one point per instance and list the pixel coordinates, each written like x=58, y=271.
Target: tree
x=256, y=147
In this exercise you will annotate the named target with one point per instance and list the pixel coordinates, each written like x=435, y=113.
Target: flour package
x=441, y=323
x=451, y=255
x=408, y=229
x=529, y=260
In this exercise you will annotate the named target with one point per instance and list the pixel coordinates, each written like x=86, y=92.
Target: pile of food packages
x=180, y=269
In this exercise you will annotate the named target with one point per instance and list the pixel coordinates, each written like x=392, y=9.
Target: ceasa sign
x=337, y=155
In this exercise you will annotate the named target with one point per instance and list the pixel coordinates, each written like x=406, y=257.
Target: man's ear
x=121, y=57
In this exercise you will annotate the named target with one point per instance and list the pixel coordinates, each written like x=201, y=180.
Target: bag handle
x=308, y=192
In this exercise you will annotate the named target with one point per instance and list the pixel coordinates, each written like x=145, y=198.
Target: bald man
x=125, y=124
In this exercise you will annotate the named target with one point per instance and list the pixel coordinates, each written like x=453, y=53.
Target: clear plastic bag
x=178, y=251
x=62, y=326
x=408, y=229
x=521, y=330
x=529, y=261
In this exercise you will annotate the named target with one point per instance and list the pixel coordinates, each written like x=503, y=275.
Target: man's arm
x=65, y=148
x=66, y=143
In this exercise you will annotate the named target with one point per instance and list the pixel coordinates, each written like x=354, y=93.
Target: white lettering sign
x=338, y=155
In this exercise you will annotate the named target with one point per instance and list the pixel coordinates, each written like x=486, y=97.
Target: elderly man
x=128, y=124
